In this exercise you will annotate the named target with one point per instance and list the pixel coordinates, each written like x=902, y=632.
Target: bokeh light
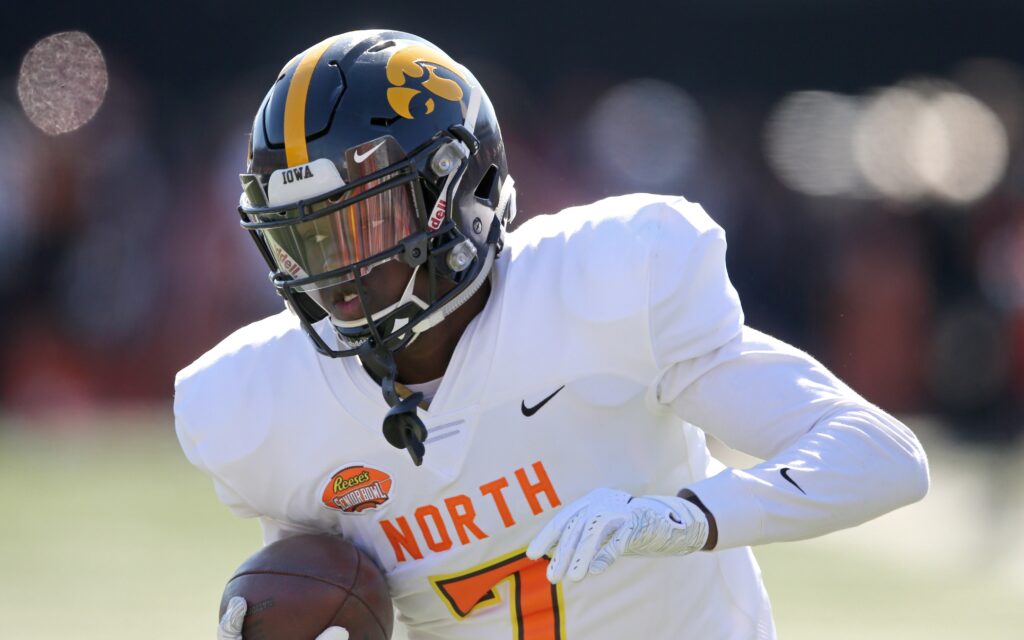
x=958, y=147
x=999, y=84
x=645, y=133
x=808, y=142
x=62, y=82
x=882, y=142
x=920, y=141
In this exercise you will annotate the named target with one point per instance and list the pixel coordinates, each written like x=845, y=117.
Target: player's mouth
x=347, y=306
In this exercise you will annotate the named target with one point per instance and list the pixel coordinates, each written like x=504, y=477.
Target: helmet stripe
x=295, y=104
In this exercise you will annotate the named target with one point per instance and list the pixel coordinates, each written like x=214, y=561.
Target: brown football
x=297, y=587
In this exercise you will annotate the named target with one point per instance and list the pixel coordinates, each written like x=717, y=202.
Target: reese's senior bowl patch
x=357, y=488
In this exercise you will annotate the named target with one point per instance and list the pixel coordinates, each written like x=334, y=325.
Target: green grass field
x=109, y=533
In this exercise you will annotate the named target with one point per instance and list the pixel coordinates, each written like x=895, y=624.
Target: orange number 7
x=536, y=604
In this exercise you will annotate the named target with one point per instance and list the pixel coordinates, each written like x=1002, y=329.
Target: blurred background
x=866, y=159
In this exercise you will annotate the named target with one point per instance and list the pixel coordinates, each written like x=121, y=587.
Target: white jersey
x=610, y=331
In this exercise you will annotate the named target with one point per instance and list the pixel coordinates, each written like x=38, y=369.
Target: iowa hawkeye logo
x=357, y=488
x=421, y=64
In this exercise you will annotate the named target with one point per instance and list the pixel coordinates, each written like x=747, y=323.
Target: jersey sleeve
x=693, y=306
x=192, y=446
x=831, y=459
x=222, y=425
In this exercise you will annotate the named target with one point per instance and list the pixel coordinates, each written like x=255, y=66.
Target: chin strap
x=438, y=316
x=506, y=210
x=507, y=201
x=406, y=297
x=402, y=428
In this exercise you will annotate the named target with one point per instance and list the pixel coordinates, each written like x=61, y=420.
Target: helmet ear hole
x=488, y=191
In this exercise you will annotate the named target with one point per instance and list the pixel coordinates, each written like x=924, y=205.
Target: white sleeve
x=272, y=529
x=225, y=494
x=193, y=447
x=832, y=459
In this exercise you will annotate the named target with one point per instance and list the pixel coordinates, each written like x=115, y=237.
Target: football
x=297, y=587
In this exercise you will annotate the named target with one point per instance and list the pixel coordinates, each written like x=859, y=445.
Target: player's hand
x=591, y=533
x=230, y=627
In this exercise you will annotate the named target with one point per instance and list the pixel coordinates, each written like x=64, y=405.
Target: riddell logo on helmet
x=286, y=262
x=357, y=489
x=414, y=62
x=437, y=215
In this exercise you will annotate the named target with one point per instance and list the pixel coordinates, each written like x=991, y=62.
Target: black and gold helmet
x=374, y=146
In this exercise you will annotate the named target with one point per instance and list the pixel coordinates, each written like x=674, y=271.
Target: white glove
x=589, y=534
x=230, y=627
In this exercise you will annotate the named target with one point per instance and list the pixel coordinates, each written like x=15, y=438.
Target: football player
x=499, y=417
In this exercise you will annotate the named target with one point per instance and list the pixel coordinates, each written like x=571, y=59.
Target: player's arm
x=832, y=460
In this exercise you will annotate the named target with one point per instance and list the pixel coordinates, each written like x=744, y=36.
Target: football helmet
x=372, y=147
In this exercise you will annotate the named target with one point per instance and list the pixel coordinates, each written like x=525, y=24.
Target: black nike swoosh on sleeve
x=785, y=474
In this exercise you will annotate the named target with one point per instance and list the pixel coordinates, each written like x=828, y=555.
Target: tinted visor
x=347, y=234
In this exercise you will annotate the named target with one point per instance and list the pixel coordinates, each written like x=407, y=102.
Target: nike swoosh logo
x=529, y=411
x=359, y=157
x=785, y=474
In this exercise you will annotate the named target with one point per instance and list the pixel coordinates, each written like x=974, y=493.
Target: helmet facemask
x=431, y=198
x=324, y=246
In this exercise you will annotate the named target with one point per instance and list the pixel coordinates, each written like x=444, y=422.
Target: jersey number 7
x=535, y=605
